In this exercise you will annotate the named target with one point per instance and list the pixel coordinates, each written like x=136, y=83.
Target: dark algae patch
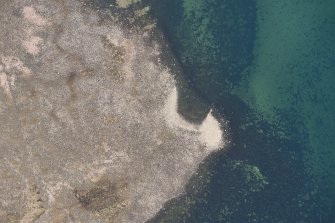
x=268, y=69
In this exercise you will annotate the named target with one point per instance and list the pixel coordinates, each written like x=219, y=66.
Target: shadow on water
x=212, y=40
x=261, y=176
x=214, y=52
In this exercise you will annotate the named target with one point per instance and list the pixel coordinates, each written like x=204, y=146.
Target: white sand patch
x=30, y=14
x=211, y=133
x=209, y=130
x=116, y=38
x=32, y=45
x=12, y=80
x=4, y=84
x=11, y=62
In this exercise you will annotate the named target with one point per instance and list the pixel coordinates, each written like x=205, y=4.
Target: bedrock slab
x=88, y=125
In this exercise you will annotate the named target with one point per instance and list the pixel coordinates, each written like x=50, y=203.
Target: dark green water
x=268, y=67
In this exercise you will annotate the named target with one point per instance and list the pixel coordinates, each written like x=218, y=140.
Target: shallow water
x=268, y=68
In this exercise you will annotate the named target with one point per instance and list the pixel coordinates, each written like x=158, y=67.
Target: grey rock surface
x=88, y=125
